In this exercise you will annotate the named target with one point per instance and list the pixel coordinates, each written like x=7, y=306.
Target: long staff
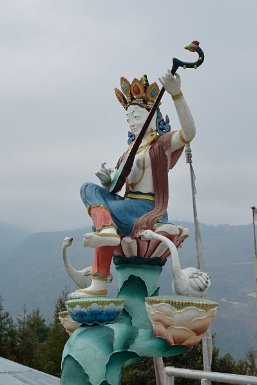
x=125, y=168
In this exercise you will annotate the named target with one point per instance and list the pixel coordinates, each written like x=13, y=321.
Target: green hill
x=33, y=275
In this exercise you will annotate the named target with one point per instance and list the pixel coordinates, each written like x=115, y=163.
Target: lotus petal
x=162, y=318
x=151, y=247
x=179, y=334
x=184, y=316
x=192, y=341
x=160, y=250
x=129, y=246
x=200, y=325
x=161, y=331
x=168, y=228
x=67, y=322
x=212, y=312
x=142, y=247
x=161, y=307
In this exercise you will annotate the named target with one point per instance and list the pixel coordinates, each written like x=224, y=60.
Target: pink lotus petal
x=151, y=248
x=192, y=341
x=200, y=325
x=179, y=334
x=142, y=247
x=166, y=254
x=168, y=228
x=162, y=318
x=164, y=308
x=69, y=324
x=161, y=331
x=212, y=312
x=184, y=316
x=181, y=240
x=159, y=251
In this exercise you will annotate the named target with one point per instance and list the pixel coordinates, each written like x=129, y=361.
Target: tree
x=49, y=353
x=7, y=334
x=31, y=330
x=250, y=363
x=26, y=340
x=37, y=324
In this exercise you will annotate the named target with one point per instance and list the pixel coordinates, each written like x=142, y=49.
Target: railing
x=171, y=372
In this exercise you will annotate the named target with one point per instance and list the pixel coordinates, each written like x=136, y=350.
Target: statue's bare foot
x=101, y=239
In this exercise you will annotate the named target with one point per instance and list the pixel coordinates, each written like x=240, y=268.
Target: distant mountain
x=10, y=236
x=32, y=274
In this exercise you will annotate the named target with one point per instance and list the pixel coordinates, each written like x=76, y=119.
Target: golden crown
x=139, y=92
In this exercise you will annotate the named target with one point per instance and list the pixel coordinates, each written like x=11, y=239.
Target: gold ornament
x=139, y=92
x=177, y=96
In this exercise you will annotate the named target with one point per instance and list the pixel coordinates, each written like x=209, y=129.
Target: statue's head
x=138, y=98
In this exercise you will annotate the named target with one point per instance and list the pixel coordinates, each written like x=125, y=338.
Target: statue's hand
x=171, y=83
x=104, y=174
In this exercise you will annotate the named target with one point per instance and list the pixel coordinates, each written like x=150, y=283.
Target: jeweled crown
x=139, y=92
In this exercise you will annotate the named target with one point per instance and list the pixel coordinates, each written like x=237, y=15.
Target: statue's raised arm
x=172, y=85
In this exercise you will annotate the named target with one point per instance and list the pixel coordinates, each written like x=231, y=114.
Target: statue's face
x=136, y=117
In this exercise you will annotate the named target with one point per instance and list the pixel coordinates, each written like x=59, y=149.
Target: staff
x=125, y=168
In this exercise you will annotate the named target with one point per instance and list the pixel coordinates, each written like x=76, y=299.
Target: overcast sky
x=60, y=61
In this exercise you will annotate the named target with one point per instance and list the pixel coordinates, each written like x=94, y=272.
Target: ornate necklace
x=151, y=138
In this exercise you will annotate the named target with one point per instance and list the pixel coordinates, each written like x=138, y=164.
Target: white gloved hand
x=104, y=174
x=171, y=83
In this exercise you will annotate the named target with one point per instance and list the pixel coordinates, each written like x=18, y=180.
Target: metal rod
x=159, y=370
x=212, y=376
x=198, y=239
x=255, y=248
x=254, y=231
x=207, y=338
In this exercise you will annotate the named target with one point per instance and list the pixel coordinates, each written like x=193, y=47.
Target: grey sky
x=60, y=61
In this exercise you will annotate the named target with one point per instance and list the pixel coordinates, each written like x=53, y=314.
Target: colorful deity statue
x=108, y=334
x=146, y=198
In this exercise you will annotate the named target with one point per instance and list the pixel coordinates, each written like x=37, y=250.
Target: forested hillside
x=32, y=275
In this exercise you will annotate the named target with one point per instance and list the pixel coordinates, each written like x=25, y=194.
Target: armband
x=181, y=137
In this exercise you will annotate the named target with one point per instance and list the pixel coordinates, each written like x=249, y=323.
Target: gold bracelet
x=177, y=96
x=181, y=137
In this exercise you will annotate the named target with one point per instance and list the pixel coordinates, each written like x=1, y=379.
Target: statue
x=108, y=334
x=146, y=198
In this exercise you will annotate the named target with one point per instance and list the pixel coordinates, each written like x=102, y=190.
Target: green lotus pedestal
x=96, y=354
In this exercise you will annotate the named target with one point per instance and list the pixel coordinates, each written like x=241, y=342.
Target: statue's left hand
x=171, y=83
x=104, y=174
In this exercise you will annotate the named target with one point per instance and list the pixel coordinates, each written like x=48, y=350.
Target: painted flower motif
x=180, y=327
x=90, y=313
